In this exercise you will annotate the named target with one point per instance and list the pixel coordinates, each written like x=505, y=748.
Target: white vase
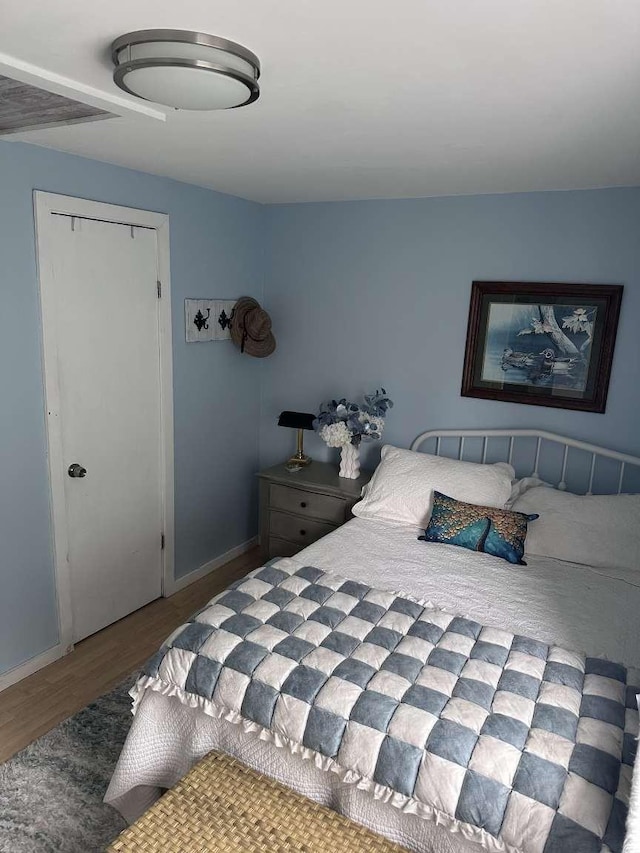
x=350, y=462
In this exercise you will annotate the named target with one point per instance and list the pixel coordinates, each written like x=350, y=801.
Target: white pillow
x=519, y=487
x=594, y=530
x=402, y=486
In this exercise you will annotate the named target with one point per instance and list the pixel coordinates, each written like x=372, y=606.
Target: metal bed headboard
x=622, y=467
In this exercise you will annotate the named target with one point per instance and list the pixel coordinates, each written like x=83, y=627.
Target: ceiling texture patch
x=25, y=107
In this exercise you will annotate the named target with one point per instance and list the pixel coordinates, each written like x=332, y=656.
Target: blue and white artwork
x=547, y=346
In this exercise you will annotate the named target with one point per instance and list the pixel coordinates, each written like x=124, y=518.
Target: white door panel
x=106, y=316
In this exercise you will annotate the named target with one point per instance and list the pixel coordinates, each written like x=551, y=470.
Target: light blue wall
x=361, y=294
x=216, y=251
x=370, y=293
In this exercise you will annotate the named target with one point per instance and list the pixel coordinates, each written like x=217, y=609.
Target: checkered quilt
x=518, y=745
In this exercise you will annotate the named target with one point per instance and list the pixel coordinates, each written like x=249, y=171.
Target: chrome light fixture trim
x=125, y=64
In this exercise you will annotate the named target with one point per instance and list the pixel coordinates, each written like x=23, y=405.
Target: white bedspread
x=577, y=607
x=574, y=606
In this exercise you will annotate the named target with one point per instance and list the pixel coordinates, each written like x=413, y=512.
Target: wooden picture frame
x=541, y=344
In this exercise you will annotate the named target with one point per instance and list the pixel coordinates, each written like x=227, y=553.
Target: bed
x=564, y=605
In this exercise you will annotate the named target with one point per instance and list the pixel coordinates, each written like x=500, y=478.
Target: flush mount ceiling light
x=186, y=70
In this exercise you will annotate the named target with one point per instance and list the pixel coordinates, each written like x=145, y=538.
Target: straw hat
x=251, y=328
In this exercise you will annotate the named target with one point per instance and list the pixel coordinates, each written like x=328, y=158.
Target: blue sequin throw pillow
x=499, y=532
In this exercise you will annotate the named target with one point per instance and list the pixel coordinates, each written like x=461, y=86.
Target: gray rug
x=51, y=792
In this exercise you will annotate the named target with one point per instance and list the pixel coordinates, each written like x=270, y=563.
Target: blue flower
x=364, y=422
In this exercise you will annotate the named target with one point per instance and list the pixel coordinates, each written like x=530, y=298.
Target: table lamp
x=299, y=421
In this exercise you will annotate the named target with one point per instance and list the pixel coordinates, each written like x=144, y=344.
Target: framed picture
x=543, y=344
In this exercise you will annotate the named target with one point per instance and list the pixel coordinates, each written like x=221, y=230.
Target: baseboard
x=17, y=673
x=12, y=676
x=211, y=566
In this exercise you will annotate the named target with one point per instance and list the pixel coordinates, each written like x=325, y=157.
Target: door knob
x=76, y=470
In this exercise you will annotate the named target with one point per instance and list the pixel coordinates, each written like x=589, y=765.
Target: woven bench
x=222, y=806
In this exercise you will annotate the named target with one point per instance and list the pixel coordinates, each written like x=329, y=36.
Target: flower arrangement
x=340, y=422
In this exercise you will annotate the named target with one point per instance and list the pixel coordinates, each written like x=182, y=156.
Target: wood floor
x=38, y=703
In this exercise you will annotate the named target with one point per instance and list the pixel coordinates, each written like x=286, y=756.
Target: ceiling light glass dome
x=186, y=70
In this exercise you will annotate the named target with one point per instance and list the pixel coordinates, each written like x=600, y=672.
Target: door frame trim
x=45, y=204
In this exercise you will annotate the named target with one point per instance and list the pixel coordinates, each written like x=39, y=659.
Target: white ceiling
x=369, y=99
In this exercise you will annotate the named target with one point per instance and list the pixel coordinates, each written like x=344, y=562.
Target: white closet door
x=105, y=309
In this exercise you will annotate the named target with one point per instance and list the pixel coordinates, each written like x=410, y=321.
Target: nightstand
x=298, y=508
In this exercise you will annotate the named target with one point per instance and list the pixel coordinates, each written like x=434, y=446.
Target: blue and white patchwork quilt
x=520, y=746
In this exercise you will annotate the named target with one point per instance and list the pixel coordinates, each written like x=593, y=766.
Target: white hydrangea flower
x=335, y=435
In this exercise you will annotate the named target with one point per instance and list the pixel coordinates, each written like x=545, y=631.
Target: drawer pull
x=303, y=504
x=303, y=533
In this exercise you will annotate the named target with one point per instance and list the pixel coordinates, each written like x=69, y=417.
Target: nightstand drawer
x=298, y=509
x=302, y=531
x=281, y=548
x=309, y=504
